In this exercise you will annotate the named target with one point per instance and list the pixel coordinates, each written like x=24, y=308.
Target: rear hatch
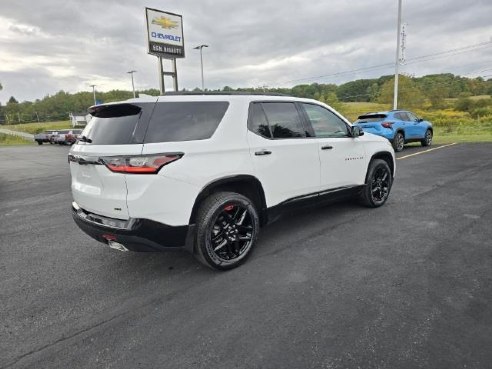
x=371, y=121
x=114, y=130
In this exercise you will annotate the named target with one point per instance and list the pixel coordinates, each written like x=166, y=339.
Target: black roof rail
x=198, y=93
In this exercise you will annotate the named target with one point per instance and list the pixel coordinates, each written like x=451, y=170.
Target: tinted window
x=257, y=121
x=185, y=121
x=370, y=118
x=402, y=116
x=284, y=120
x=411, y=116
x=112, y=124
x=324, y=122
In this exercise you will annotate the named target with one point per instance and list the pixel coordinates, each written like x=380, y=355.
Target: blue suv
x=398, y=126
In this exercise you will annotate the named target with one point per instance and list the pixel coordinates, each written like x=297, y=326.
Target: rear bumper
x=134, y=234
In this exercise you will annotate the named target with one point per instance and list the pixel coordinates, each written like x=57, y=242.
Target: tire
x=39, y=142
x=378, y=184
x=398, y=142
x=222, y=220
x=427, y=141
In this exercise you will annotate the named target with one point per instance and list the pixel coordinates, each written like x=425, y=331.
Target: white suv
x=205, y=172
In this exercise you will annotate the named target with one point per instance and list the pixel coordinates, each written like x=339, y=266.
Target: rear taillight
x=147, y=164
x=387, y=124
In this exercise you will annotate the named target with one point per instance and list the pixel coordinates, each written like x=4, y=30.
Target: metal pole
x=161, y=76
x=133, y=85
x=200, y=47
x=175, y=75
x=201, y=63
x=397, y=61
x=94, y=92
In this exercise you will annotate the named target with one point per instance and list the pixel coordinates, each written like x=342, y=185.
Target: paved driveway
x=404, y=286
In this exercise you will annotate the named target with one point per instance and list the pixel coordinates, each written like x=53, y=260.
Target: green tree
x=332, y=100
x=373, y=92
x=436, y=95
x=409, y=93
x=355, y=90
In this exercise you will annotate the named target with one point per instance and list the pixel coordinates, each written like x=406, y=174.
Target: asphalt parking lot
x=408, y=285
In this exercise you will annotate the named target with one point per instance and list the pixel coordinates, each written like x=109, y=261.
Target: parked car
x=43, y=137
x=205, y=172
x=398, y=126
x=67, y=136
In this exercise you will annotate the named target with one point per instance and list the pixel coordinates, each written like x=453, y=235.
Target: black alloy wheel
x=378, y=184
x=227, y=229
x=232, y=233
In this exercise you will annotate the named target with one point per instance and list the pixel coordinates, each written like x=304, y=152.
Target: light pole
x=133, y=85
x=397, y=61
x=94, y=92
x=200, y=47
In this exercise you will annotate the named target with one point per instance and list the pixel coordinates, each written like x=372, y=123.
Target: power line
x=413, y=60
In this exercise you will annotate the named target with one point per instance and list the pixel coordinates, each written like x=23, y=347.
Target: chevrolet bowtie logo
x=165, y=22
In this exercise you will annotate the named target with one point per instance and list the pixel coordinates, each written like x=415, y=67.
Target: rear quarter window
x=185, y=121
x=112, y=124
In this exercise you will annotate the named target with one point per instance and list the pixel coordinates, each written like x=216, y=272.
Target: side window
x=257, y=122
x=185, y=121
x=324, y=122
x=411, y=116
x=284, y=120
x=402, y=116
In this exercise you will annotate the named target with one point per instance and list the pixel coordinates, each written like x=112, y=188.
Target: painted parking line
x=426, y=151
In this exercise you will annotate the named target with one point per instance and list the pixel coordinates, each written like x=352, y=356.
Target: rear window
x=284, y=120
x=112, y=124
x=185, y=121
x=370, y=118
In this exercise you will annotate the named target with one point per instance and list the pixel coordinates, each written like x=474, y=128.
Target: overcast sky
x=52, y=45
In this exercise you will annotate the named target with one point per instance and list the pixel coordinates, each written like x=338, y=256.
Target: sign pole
x=175, y=75
x=161, y=76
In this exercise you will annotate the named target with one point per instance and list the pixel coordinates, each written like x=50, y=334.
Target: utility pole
x=94, y=92
x=403, y=43
x=397, y=61
x=133, y=85
x=200, y=47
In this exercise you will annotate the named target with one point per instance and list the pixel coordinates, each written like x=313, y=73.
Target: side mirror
x=420, y=120
x=357, y=131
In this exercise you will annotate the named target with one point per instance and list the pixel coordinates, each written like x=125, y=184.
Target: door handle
x=327, y=147
x=262, y=152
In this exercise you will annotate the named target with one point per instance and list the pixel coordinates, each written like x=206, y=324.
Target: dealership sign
x=165, y=34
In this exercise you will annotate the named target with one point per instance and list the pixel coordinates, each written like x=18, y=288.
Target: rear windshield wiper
x=85, y=139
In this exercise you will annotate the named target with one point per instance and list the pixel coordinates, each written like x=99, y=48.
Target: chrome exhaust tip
x=117, y=246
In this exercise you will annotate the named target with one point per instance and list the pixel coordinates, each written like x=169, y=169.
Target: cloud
x=68, y=44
